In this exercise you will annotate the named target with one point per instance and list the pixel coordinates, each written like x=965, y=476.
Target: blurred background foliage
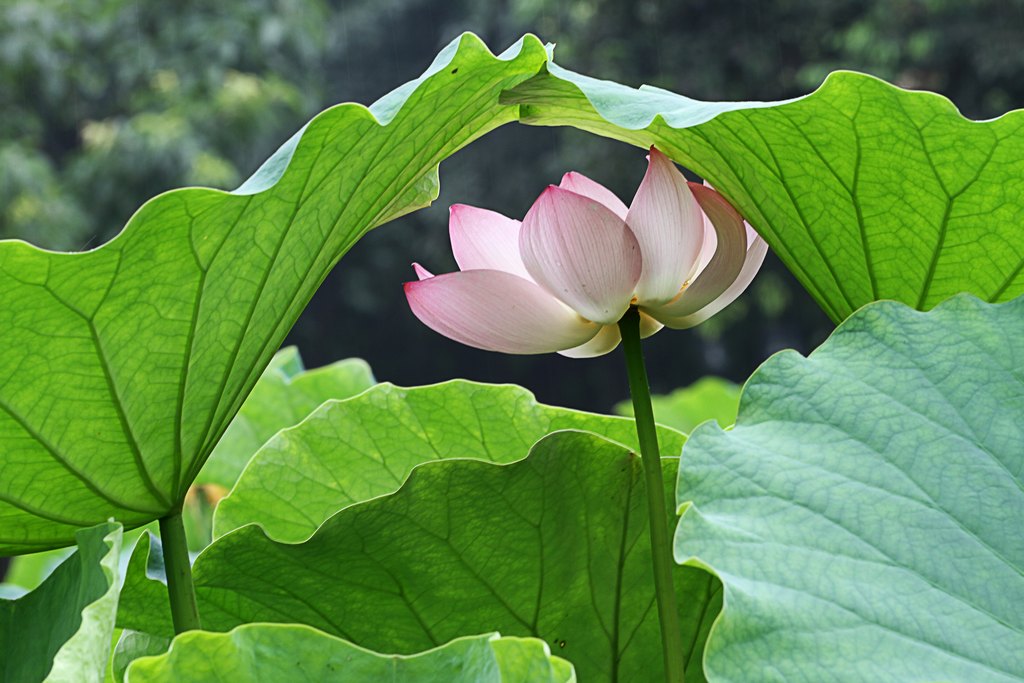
x=105, y=103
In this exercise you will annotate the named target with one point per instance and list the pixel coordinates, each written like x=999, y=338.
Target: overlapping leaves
x=554, y=546
x=284, y=395
x=898, y=445
x=61, y=631
x=124, y=365
x=358, y=449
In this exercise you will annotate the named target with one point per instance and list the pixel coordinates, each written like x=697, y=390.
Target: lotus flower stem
x=650, y=456
x=180, y=590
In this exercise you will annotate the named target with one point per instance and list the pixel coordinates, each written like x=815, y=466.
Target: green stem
x=180, y=591
x=650, y=456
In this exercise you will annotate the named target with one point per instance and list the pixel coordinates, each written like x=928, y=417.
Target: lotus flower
x=561, y=280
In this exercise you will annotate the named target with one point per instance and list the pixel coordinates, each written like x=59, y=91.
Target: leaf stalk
x=180, y=590
x=650, y=457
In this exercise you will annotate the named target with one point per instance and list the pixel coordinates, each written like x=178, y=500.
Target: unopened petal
x=723, y=268
x=483, y=239
x=581, y=184
x=582, y=253
x=605, y=341
x=497, y=311
x=669, y=226
x=755, y=257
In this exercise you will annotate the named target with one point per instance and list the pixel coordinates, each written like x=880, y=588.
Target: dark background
x=105, y=103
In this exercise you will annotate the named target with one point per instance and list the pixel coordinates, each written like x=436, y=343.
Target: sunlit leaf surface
x=554, y=546
x=254, y=653
x=122, y=366
x=284, y=395
x=354, y=450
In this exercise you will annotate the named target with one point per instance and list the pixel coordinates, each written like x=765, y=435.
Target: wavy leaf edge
x=381, y=112
x=383, y=387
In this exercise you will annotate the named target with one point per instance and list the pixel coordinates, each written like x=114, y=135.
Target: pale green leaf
x=284, y=395
x=865, y=513
x=864, y=190
x=134, y=645
x=709, y=398
x=289, y=652
x=354, y=450
x=62, y=630
x=554, y=546
x=124, y=365
x=26, y=572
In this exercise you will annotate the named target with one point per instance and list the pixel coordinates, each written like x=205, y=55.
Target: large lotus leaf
x=709, y=398
x=62, y=630
x=865, y=513
x=253, y=653
x=122, y=366
x=354, y=450
x=554, y=546
x=284, y=395
x=864, y=190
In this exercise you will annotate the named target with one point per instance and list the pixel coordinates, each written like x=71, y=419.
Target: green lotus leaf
x=62, y=630
x=864, y=514
x=709, y=398
x=284, y=395
x=124, y=365
x=132, y=645
x=254, y=653
x=554, y=547
x=351, y=451
x=864, y=190
x=26, y=572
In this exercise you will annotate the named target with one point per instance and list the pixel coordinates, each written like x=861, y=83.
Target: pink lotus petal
x=723, y=268
x=755, y=257
x=669, y=226
x=581, y=253
x=483, y=239
x=421, y=272
x=581, y=184
x=709, y=248
x=605, y=341
x=497, y=311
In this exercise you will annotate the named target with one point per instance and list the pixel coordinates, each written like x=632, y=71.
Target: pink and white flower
x=562, y=279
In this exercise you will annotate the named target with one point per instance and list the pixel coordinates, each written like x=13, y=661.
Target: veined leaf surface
x=864, y=514
x=122, y=366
